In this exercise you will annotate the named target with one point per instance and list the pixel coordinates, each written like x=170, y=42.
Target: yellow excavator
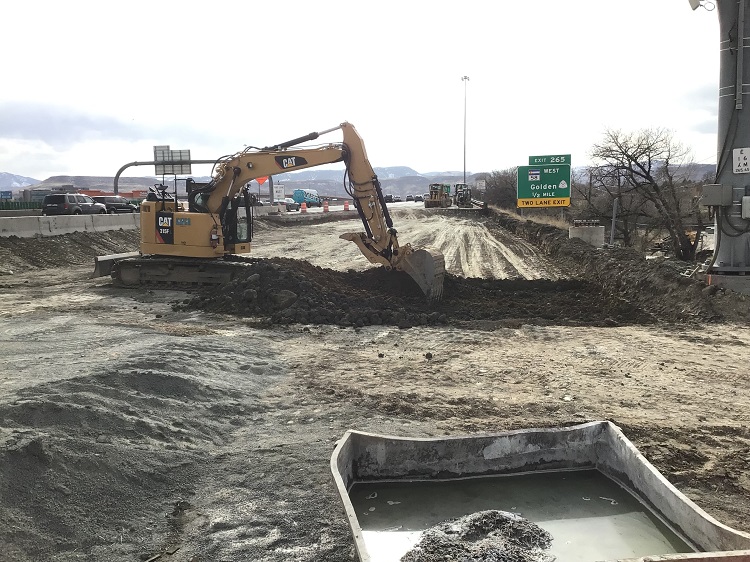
x=196, y=245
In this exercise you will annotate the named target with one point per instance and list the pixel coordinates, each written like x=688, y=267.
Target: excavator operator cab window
x=198, y=202
x=243, y=225
x=237, y=222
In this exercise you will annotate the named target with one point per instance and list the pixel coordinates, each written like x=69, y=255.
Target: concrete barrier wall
x=28, y=227
x=275, y=209
x=66, y=224
x=23, y=227
x=593, y=235
x=125, y=221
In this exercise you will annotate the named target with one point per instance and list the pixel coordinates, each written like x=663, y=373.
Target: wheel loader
x=439, y=196
x=198, y=244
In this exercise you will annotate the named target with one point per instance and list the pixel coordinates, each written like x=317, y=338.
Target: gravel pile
x=485, y=536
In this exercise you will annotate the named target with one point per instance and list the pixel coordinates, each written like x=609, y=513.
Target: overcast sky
x=90, y=86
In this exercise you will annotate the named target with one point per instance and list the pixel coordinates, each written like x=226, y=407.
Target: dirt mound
x=284, y=291
x=78, y=248
x=623, y=273
x=85, y=442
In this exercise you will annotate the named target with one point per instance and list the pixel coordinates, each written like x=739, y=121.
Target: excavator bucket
x=427, y=268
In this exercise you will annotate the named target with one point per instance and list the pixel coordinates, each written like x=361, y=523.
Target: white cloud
x=96, y=86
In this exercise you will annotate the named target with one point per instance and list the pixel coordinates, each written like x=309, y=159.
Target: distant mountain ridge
x=12, y=182
x=313, y=174
x=397, y=180
x=105, y=183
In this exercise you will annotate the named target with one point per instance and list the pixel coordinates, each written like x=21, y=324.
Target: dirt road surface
x=199, y=426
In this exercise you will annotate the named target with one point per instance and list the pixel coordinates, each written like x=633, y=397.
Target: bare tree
x=601, y=188
x=501, y=189
x=643, y=166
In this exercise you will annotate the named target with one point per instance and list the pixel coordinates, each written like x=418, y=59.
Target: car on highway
x=291, y=204
x=418, y=198
x=388, y=198
x=115, y=204
x=397, y=199
x=71, y=204
x=410, y=197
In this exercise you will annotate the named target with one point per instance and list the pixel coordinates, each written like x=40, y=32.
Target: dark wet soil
x=283, y=291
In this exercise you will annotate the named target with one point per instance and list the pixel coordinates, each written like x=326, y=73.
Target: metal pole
x=465, y=79
x=732, y=230
x=614, y=217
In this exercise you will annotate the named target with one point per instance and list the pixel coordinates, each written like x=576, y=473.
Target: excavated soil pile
x=284, y=291
x=659, y=287
x=77, y=248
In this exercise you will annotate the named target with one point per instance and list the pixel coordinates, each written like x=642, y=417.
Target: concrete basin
x=362, y=459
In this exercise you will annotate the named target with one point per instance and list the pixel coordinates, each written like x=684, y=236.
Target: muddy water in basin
x=589, y=516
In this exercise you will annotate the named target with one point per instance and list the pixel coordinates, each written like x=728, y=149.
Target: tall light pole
x=464, y=79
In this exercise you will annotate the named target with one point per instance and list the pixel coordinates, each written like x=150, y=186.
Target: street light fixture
x=464, y=79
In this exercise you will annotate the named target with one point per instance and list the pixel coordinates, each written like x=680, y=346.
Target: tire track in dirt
x=470, y=248
x=473, y=250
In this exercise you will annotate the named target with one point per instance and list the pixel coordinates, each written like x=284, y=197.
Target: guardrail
x=18, y=205
x=31, y=226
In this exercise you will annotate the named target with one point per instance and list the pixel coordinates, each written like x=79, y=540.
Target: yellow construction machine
x=196, y=244
x=462, y=195
x=439, y=196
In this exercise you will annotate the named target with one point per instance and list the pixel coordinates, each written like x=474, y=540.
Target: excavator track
x=168, y=272
x=426, y=267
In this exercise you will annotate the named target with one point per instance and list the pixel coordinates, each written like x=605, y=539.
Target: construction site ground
x=199, y=425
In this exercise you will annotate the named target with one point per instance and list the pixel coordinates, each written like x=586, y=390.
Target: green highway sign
x=544, y=186
x=549, y=159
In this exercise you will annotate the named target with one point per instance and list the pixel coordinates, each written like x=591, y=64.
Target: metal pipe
x=153, y=163
x=298, y=140
x=614, y=218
